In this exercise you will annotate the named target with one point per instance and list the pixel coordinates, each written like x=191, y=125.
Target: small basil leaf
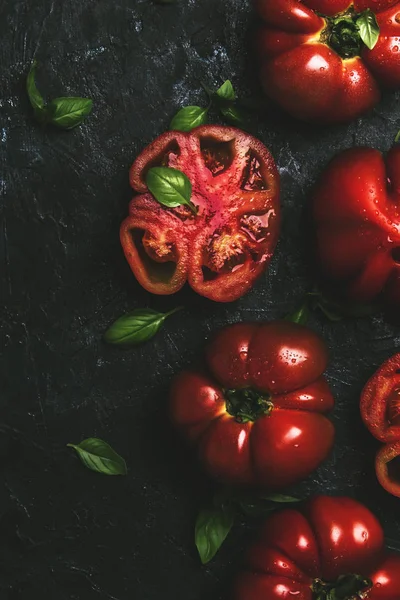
x=98, y=456
x=369, y=28
x=67, y=113
x=226, y=91
x=232, y=114
x=136, y=327
x=300, y=316
x=397, y=138
x=281, y=498
x=188, y=118
x=257, y=506
x=170, y=187
x=35, y=97
x=212, y=528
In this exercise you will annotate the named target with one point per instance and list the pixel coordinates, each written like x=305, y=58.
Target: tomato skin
x=228, y=244
x=311, y=80
x=356, y=214
x=323, y=540
x=380, y=411
x=281, y=363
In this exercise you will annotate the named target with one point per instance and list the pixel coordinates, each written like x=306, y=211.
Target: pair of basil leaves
x=224, y=100
x=63, y=112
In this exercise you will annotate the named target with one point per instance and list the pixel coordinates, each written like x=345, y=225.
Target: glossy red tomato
x=331, y=549
x=315, y=63
x=380, y=410
x=257, y=416
x=357, y=216
x=227, y=245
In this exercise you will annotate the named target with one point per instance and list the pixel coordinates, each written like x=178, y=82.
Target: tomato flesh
x=227, y=245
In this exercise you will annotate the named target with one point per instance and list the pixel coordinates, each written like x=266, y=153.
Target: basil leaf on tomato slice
x=170, y=187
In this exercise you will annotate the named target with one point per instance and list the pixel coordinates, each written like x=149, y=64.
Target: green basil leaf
x=67, y=113
x=281, y=498
x=98, y=456
x=300, y=316
x=258, y=506
x=369, y=28
x=212, y=528
x=35, y=97
x=397, y=138
x=136, y=327
x=170, y=187
x=188, y=118
x=232, y=114
x=226, y=91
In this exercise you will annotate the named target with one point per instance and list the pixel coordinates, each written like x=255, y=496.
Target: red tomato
x=228, y=244
x=331, y=549
x=258, y=416
x=356, y=211
x=314, y=62
x=380, y=410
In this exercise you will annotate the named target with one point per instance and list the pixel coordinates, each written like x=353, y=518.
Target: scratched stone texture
x=67, y=533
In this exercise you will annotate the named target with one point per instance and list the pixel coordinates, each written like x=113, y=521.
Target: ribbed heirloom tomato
x=357, y=216
x=315, y=61
x=257, y=417
x=330, y=549
x=380, y=410
x=226, y=246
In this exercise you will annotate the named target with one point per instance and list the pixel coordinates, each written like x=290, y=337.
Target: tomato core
x=342, y=34
x=347, y=587
x=247, y=405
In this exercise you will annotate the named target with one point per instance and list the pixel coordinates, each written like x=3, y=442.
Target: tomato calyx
x=347, y=587
x=247, y=405
x=343, y=35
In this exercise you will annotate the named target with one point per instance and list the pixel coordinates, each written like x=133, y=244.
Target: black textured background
x=67, y=533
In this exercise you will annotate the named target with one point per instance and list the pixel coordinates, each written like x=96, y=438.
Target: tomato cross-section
x=224, y=248
x=380, y=410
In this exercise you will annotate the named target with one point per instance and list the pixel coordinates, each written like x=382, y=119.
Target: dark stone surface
x=66, y=533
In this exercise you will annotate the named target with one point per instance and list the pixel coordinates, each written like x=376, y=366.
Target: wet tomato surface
x=329, y=549
x=257, y=413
